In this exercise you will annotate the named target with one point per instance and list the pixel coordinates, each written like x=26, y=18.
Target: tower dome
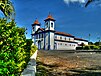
x=49, y=18
x=36, y=22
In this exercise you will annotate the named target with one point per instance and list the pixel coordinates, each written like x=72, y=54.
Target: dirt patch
x=59, y=63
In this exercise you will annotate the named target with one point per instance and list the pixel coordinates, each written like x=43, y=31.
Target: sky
x=71, y=16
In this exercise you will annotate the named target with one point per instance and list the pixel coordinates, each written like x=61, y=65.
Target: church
x=48, y=38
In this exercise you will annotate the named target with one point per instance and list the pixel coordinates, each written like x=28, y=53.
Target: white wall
x=65, y=46
x=63, y=38
x=51, y=28
x=36, y=28
x=42, y=44
x=51, y=40
x=46, y=40
x=80, y=42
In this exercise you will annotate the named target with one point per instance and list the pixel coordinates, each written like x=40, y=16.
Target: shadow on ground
x=46, y=70
x=93, y=71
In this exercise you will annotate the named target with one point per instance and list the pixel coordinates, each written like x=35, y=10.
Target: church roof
x=62, y=33
x=65, y=41
x=36, y=22
x=42, y=29
x=80, y=39
x=49, y=18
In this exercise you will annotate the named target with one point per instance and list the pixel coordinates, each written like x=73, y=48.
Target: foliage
x=29, y=43
x=41, y=69
x=7, y=8
x=86, y=48
x=89, y=47
x=100, y=47
x=14, y=53
x=95, y=2
x=33, y=49
x=90, y=43
x=96, y=47
x=97, y=43
x=79, y=48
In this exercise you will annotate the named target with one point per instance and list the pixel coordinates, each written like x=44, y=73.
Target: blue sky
x=71, y=17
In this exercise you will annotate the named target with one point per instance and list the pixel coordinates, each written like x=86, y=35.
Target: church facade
x=48, y=38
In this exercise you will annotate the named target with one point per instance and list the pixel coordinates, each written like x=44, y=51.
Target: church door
x=39, y=44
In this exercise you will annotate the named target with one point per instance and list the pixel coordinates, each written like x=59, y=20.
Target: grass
x=41, y=69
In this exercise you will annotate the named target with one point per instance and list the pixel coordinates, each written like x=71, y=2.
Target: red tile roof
x=36, y=22
x=49, y=18
x=80, y=39
x=62, y=33
x=65, y=41
x=42, y=29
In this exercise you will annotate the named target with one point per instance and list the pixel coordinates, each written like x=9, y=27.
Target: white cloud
x=80, y=1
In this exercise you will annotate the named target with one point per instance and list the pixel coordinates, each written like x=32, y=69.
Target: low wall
x=31, y=67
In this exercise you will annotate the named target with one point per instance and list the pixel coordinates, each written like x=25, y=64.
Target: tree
x=12, y=48
x=90, y=1
x=82, y=44
x=97, y=43
x=90, y=43
x=7, y=8
x=13, y=54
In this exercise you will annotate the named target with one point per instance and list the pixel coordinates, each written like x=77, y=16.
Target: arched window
x=52, y=25
x=65, y=38
x=60, y=37
x=46, y=24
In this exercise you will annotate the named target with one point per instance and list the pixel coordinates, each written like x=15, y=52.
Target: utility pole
x=89, y=37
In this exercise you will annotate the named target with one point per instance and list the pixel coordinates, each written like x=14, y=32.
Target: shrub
x=14, y=50
x=96, y=47
x=99, y=47
x=79, y=48
x=33, y=49
x=91, y=46
x=86, y=48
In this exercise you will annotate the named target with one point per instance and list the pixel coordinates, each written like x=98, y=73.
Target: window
x=51, y=24
x=39, y=35
x=69, y=39
x=46, y=24
x=36, y=36
x=60, y=37
x=42, y=35
x=60, y=43
x=55, y=37
x=33, y=28
x=65, y=38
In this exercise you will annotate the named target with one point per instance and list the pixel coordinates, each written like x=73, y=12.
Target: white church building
x=48, y=38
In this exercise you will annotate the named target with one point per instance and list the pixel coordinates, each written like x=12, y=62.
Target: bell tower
x=50, y=30
x=49, y=23
x=35, y=26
